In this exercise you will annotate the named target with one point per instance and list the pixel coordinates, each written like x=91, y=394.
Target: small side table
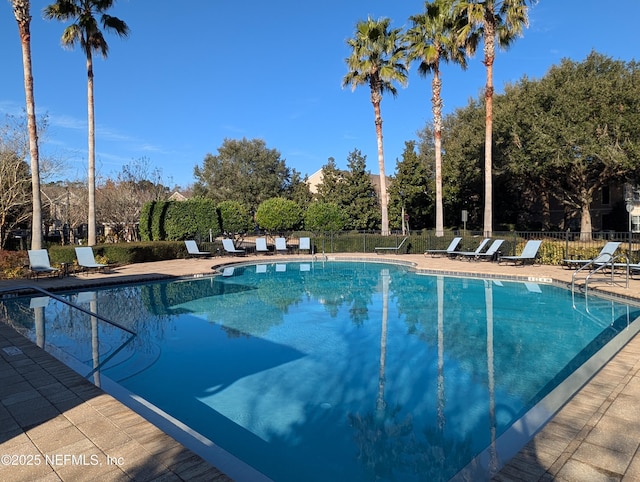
x=64, y=270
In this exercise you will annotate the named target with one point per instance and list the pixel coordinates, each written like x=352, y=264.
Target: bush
x=235, y=217
x=278, y=215
x=324, y=217
x=13, y=264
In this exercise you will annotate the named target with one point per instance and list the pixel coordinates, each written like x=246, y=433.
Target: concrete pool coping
x=47, y=409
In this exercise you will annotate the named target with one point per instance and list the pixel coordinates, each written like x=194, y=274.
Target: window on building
x=605, y=195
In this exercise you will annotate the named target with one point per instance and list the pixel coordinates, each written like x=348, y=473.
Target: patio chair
x=380, y=249
x=528, y=255
x=605, y=255
x=281, y=245
x=490, y=254
x=452, y=246
x=261, y=246
x=39, y=263
x=229, y=247
x=478, y=250
x=304, y=245
x=193, y=250
x=86, y=259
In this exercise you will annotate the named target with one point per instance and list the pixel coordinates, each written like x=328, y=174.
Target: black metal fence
x=556, y=246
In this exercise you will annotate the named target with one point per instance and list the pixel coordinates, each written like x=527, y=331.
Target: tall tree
x=411, y=189
x=245, y=171
x=329, y=188
x=574, y=132
x=358, y=199
x=433, y=39
x=21, y=10
x=85, y=31
x=377, y=59
x=14, y=192
x=500, y=21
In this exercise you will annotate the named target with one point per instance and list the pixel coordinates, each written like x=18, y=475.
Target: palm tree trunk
x=91, y=172
x=437, y=138
x=489, y=55
x=23, y=17
x=384, y=198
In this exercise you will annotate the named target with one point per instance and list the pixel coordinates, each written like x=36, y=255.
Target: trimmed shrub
x=278, y=215
x=234, y=217
x=194, y=218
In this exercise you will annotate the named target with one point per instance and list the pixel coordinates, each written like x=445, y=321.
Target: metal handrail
x=591, y=263
x=69, y=303
x=611, y=263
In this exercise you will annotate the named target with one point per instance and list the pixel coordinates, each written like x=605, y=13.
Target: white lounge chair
x=228, y=246
x=39, y=262
x=451, y=248
x=605, y=255
x=86, y=259
x=304, y=245
x=193, y=250
x=528, y=255
x=478, y=250
x=261, y=246
x=380, y=249
x=491, y=253
x=281, y=245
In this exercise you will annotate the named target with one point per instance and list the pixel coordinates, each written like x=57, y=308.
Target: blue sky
x=192, y=74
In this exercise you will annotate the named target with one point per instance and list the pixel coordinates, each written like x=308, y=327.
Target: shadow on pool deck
x=56, y=425
x=47, y=409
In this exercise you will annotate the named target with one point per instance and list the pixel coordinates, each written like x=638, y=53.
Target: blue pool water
x=336, y=371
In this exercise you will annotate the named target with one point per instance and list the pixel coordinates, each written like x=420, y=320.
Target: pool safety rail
x=597, y=266
x=26, y=288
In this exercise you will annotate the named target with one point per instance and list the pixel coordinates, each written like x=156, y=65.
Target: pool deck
x=56, y=425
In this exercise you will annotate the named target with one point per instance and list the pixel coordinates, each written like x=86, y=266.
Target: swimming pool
x=341, y=371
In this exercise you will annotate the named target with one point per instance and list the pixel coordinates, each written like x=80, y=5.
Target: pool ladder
x=595, y=267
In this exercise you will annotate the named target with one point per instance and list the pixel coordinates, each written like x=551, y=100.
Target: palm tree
x=85, y=31
x=501, y=21
x=433, y=39
x=377, y=59
x=21, y=10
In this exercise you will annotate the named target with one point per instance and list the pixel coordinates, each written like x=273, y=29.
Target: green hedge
x=124, y=253
x=178, y=220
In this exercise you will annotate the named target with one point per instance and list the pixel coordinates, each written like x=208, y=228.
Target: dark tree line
x=559, y=139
